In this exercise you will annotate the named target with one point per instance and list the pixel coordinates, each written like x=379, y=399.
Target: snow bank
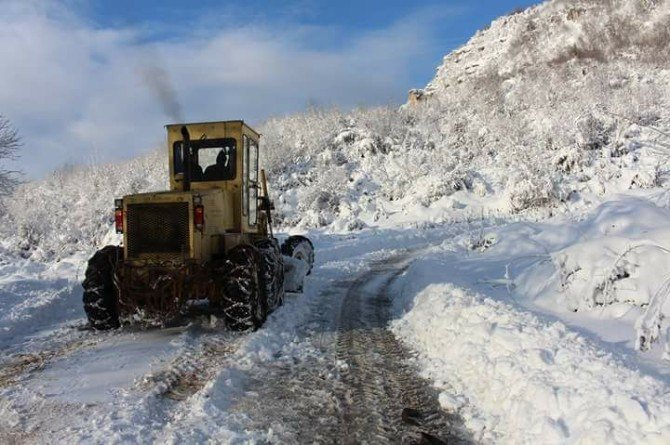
x=37, y=298
x=517, y=379
x=616, y=261
x=551, y=331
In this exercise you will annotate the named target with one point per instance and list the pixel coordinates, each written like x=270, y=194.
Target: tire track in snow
x=157, y=399
x=350, y=381
x=157, y=395
x=20, y=365
x=384, y=399
x=292, y=398
x=192, y=369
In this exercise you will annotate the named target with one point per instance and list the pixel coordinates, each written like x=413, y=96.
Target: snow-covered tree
x=9, y=146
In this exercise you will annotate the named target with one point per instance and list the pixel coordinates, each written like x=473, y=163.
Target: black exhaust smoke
x=159, y=82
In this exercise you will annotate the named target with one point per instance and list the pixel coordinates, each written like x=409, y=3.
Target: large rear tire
x=100, y=293
x=300, y=248
x=271, y=272
x=244, y=302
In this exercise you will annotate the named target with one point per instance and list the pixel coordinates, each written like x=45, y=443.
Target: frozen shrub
x=530, y=191
x=648, y=117
x=569, y=160
x=9, y=147
x=355, y=224
x=323, y=200
x=478, y=241
x=592, y=133
x=72, y=209
x=646, y=179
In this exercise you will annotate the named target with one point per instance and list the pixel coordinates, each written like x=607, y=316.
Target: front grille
x=158, y=230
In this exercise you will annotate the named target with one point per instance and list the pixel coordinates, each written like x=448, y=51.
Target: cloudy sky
x=95, y=81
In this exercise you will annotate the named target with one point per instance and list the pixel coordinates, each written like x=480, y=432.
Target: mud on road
x=384, y=398
x=358, y=385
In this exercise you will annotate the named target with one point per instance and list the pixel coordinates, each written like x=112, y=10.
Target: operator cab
x=220, y=159
x=216, y=155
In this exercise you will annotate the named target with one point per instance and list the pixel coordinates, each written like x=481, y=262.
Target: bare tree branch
x=10, y=143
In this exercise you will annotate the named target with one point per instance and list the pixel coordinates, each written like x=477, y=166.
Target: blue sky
x=79, y=76
x=449, y=22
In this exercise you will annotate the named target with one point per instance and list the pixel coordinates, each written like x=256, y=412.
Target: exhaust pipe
x=187, y=158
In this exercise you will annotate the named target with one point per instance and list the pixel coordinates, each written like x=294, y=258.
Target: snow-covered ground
x=62, y=384
x=485, y=304
x=531, y=332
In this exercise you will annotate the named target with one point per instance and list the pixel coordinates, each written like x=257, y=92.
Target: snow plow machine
x=205, y=243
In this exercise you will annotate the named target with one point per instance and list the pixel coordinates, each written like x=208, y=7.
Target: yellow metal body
x=227, y=222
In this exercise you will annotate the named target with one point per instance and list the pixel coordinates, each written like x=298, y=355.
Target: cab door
x=250, y=184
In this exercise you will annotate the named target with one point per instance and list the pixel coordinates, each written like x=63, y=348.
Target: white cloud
x=78, y=92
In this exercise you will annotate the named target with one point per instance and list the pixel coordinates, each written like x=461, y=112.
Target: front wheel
x=101, y=295
x=244, y=305
x=300, y=248
x=298, y=254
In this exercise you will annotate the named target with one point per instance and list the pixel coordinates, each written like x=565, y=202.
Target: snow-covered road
x=401, y=333
x=304, y=377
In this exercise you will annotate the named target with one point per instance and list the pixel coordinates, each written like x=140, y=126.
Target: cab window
x=213, y=159
x=250, y=188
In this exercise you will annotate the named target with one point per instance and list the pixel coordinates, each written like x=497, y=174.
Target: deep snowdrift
x=491, y=314
x=615, y=263
x=517, y=379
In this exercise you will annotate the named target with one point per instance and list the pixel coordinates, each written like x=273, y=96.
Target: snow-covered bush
x=72, y=209
x=531, y=191
x=569, y=160
x=592, y=133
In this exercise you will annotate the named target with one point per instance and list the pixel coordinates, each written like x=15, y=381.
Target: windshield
x=213, y=159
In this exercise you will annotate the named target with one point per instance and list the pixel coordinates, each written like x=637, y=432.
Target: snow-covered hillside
x=565, y=102
x=566, y=99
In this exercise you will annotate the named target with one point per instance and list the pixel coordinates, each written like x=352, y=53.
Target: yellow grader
x=206, y=243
